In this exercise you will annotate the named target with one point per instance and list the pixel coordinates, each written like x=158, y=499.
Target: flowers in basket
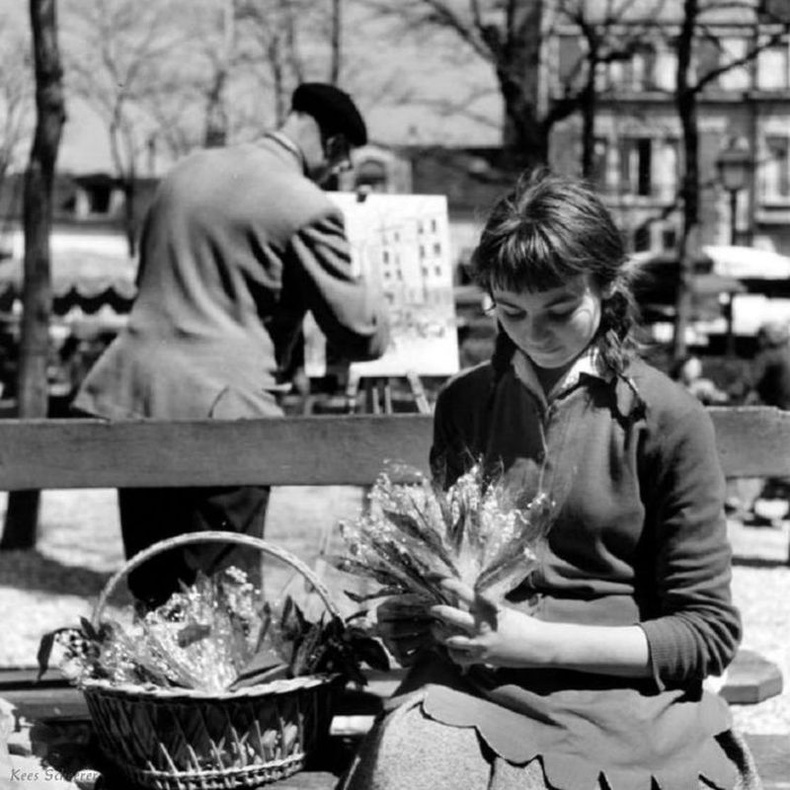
x=479, y=531
x=217, y=635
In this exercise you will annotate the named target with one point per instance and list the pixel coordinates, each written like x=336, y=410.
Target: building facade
x=638, y=139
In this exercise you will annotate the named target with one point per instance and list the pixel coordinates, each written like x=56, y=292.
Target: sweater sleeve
x=349, y=312
x=697, y=629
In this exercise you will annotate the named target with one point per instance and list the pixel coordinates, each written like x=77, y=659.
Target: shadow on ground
x=34, y=571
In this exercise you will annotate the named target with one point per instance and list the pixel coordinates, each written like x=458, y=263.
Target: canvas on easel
x=401, y=244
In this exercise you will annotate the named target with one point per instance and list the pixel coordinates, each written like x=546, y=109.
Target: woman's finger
x=462, y=651
x=480, y=604
x=456, y=587
x=451, y=616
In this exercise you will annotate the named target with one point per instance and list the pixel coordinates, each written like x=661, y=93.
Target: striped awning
x=86, y=280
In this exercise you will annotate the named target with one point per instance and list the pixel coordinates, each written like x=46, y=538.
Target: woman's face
x=551, y=327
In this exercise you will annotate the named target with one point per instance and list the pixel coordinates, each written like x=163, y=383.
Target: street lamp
x=734, y=164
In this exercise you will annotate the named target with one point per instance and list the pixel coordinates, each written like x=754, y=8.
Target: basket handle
x=212, y=536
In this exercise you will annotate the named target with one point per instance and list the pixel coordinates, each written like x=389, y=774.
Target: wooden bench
x=336, y=450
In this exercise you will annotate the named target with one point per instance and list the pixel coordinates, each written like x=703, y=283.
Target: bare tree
x=16, y=100
x=191, y=102
x=610, y=32
x=336, y=41
x=272, y=39
x=217, y=120
x=115, y=51
x=698, y=23
x=22, y=512
x=510, y=37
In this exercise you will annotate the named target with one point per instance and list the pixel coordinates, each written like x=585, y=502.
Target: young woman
x=590, y=675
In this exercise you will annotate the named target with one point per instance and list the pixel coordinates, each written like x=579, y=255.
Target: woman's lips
x=545, y=352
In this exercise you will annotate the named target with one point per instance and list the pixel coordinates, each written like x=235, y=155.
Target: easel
x=378, y=393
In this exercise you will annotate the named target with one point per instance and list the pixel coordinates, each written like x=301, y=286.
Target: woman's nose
x=536, y=329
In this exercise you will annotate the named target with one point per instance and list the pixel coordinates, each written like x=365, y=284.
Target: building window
x=642, y=238
x=772, y=68
x=669, y=238
x=636, y=164
x=667, y=169
x=708, y=59
x=666, y=68
x=93, y=199
x=776, y=169
x=571, y=57
x=734, y=79
x=636, y=74
x=643, y=69
x=371, y=174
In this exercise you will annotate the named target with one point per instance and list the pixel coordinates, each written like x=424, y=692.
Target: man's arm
x=351, y=312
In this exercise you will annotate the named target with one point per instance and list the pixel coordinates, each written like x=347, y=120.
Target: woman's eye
x=560, y=315
x=510, y=313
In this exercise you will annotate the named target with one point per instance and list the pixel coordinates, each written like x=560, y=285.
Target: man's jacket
x=236, y=247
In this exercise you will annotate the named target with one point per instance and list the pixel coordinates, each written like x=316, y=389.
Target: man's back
x=237, y=245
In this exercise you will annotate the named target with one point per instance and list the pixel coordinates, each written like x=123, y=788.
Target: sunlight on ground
x=79, y=547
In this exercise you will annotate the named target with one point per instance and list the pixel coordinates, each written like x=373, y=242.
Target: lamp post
x=733, y=165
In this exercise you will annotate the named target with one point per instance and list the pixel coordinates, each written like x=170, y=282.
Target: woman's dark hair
x=552, y=228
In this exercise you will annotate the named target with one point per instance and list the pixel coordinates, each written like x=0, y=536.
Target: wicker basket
x=184, y=739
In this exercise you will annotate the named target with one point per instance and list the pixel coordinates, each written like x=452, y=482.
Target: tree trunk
x=130, y=212
x=524, y=138
x=217, y=122
x=589, y=108
x=336, y=42
x=22, y=514
x=686, y=103
x=216, y=114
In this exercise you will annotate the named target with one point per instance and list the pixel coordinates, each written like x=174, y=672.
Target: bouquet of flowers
x=415, y=534
x=218, y=634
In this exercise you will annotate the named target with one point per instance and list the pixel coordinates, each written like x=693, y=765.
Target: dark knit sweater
x=639, y=537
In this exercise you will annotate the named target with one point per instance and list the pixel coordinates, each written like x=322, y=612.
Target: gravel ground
x=79, y=547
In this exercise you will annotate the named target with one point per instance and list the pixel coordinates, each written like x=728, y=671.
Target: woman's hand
x=488, y=633
x=502, y=637
x=404, y=625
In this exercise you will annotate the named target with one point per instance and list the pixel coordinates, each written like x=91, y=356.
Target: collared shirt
x=589, y=363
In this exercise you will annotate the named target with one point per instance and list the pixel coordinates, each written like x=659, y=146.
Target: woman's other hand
x=404, y=625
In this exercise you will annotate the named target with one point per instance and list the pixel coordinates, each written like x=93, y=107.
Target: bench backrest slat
x=327, y=450
x=294, y=451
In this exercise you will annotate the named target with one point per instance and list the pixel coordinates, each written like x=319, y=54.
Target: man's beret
x=333, y=110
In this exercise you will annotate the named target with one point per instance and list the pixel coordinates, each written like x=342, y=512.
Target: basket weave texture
x=191, y=741
x=187, y=739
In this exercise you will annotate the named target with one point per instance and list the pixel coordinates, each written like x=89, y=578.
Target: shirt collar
x=290, y=146
x=589, y=363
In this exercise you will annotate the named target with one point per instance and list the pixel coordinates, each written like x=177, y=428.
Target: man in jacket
x=239, y=243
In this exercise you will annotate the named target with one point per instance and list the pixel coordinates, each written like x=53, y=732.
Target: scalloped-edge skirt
x=408, y=750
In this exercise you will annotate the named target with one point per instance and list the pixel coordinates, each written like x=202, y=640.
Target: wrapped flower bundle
x=478, y=531
x=218, y=634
